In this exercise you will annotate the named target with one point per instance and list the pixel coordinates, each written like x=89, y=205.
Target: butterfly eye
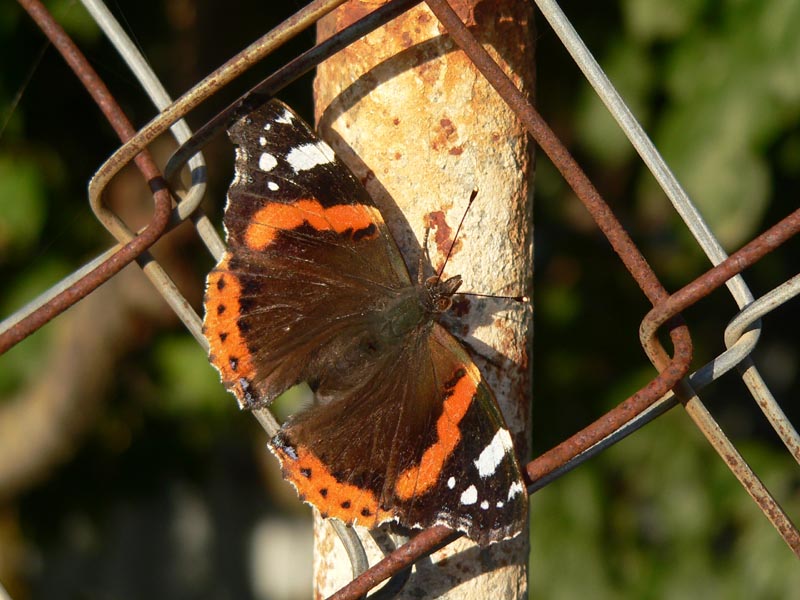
x=443, y=303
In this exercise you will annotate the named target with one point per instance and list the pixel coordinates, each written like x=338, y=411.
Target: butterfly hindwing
x=479, y=488
x=423, y=451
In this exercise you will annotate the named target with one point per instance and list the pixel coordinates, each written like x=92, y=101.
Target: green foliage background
x=717, y=85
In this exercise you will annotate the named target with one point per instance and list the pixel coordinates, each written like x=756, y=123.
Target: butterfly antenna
x=523, y=299
x=423, y=256
x=455, y=237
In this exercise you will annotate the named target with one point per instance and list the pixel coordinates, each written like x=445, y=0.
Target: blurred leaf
x=190, y=384
x=729, y=185
x=560, y=569
x=74, y=18
x=22, y=205
x=292, y=400
x=631, y=73
x=649, y=20
x=23, y=362
x=10, y=15
x=731, y=95
x=559, y=304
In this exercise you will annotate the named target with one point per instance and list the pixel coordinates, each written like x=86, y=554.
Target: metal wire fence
x=175, y=204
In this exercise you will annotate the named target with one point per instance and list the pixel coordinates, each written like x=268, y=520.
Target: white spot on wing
x=493, y=454
x=262, y=141
x=273, y=186
x=484, y=505
x=469, y=495
x=451, y=483
x=515, y=490
x=308, y=156
x=286, y=118
x=268, y=126
x=500, y=504
x=267, y=162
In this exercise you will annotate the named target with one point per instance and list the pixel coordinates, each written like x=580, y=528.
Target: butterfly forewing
x=305, y=244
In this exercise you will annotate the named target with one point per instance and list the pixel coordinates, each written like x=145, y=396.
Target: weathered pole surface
x=419, y=125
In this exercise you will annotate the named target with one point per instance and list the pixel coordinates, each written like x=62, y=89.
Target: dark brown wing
x=309, y=257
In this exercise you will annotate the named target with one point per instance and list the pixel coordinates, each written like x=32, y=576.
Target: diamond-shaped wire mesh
x=744, y=176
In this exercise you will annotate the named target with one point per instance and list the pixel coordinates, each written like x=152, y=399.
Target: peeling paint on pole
x=421, y=128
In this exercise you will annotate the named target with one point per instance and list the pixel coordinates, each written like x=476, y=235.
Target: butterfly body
x=313, y=288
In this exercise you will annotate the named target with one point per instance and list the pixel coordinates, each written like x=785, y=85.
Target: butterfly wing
x=422, y=446
x=309, y=256
x=406, y=429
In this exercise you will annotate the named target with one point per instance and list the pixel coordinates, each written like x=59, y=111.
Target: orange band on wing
x=228, y=350
x=417, y=480
x=271, y=219
x=316, y=485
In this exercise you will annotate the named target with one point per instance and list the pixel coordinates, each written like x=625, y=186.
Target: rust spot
x=397, y=156
x=442, y=231
x=456, y=150
x=445, y=136
x=447, y=126
x=396, y=121
x=442, y=234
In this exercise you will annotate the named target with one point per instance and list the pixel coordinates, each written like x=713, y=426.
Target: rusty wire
x=34, y=318
x=660, y=394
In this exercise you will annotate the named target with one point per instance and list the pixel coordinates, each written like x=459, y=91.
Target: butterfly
x=314, y=289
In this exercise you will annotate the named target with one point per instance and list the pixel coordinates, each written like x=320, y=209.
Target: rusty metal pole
x=421, y=128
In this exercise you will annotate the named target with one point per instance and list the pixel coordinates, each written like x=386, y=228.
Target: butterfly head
x=440, y=292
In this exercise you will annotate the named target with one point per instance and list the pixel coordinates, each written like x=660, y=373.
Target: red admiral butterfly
x=313, y=288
